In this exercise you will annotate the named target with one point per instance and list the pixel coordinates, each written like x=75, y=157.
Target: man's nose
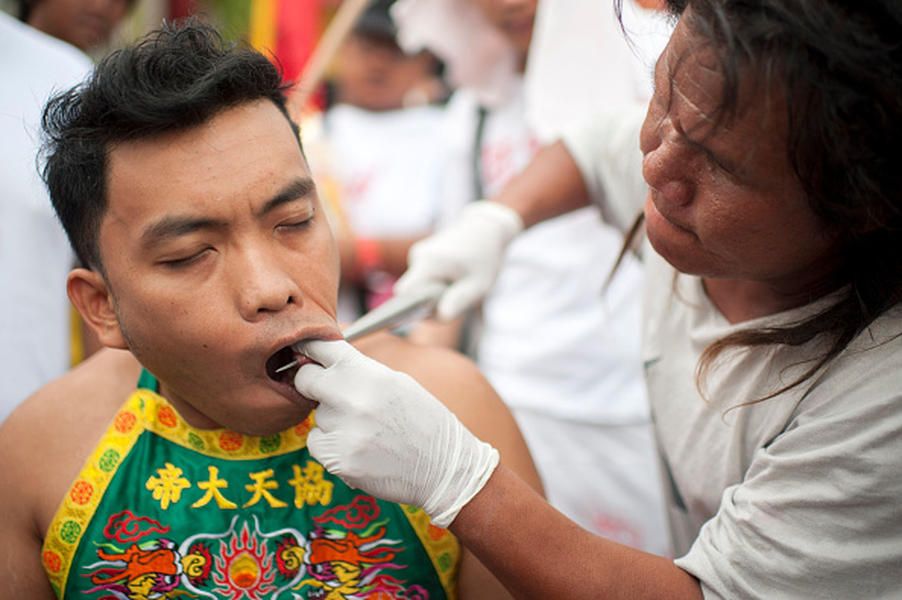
x=263, y=285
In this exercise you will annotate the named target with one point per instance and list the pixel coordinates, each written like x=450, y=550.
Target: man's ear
x=89, y=293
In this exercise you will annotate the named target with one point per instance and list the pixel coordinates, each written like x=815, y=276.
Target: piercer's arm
x=550, y=186
x=598, y=163
x=382, y=432
x=536, y=552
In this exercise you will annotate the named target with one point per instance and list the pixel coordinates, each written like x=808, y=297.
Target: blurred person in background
x=377, y=152
x=34, y=254
x=561, y=348
x=86, y=24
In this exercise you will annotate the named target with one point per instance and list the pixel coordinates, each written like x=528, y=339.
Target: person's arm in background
x=550, y=186
x=360, y=256
x=599, y=163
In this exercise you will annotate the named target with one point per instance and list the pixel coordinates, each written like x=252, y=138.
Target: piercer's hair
x=178, y=77
x=838, y=65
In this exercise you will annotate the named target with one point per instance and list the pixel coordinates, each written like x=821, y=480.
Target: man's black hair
x=178, y=77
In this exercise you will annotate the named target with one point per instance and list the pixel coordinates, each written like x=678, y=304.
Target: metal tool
x=394, y=312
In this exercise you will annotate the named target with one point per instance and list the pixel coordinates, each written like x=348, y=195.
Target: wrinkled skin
x=724, y=202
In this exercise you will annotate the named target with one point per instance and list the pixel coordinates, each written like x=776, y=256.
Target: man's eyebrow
x=295, y=190
x=176, y=226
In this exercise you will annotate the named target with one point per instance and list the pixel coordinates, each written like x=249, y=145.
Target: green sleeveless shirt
x=163, y=510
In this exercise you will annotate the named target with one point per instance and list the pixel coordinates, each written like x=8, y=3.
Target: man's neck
x=191, y=415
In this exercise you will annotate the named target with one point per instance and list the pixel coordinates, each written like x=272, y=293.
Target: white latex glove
x=381, y=431
x=466, y=255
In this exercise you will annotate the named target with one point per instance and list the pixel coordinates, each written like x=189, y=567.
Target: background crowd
x=424, y=108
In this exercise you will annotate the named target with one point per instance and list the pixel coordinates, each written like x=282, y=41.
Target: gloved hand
x=467, y=255
x=380, y=431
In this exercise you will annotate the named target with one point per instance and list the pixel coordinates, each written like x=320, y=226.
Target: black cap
x=376, y=20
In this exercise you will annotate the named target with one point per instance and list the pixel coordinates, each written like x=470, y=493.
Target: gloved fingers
x=408, y=282
x=459, y=298
x=323, y=448
x=326, y=353
x=315, y=438
x=414, y=279
x=310, y=382
x=318, y=442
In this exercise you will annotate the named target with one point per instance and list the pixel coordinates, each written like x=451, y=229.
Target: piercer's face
x=724, y=201
x=217, y=258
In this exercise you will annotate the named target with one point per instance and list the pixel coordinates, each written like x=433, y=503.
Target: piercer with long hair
x=772, y=322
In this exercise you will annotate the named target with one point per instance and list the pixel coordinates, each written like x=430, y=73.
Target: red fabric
x=181, y=8
x=367, y=256
x=298, y=29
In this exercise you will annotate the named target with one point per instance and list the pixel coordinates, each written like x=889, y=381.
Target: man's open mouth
x=284, y=357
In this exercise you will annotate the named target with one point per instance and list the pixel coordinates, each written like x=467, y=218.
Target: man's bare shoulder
x=449, y=375
x=93, y=389
x=455, y=380
x=56, y=428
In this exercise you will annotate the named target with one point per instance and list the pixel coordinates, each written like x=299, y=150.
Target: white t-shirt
x=389, y=166
x=35, y=256
x=386, y=168
x=551, y=340
x=794, y=497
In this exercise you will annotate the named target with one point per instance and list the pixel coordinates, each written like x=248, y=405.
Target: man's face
x=85, y=24
x=217, y=258
x=724, y=201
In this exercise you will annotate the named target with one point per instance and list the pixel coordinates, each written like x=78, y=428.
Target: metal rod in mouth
x=394, y=312
x=293, y=363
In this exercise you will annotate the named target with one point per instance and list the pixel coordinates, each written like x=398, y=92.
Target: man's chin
x=272, y=424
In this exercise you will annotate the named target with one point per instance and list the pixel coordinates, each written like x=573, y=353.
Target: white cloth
x=606, y=151
x=35, y=256
x=563, y=354
x=548, y=330
x=387, y=168
x=578, y=46
x=793, y=497
x=604, y=477
x=476, y=55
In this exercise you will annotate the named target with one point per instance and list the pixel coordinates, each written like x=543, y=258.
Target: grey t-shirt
x=798, y=496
